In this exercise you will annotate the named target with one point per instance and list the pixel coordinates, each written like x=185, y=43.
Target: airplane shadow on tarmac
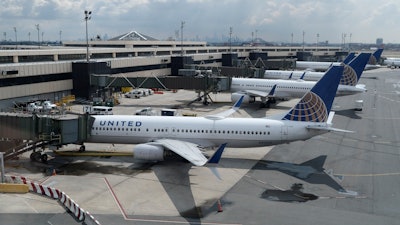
x=175, y=180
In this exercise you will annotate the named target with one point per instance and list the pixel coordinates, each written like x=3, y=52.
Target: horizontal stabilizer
x=330, y=129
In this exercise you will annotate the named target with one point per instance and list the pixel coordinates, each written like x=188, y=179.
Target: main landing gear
x=267, y=104
x=37, y=156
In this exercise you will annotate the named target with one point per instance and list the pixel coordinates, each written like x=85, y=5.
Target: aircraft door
x=284, y=132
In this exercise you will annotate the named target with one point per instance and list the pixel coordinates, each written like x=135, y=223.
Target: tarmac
x=352, y=178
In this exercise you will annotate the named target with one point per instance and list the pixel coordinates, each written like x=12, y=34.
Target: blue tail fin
x=375, y=56
x=352, y=72
x=316, y=104
x=349, y=57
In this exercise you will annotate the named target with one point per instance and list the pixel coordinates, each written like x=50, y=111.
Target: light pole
x=317, y=41
x=60, y=36
x=182, y=23
x=256, y=36
x=344, y=40
x=350, y=42
x=29, y=37
x=88, y=16
x=38, y=39
x=16, y=40
x=303, y=39
x=291, y=42
x=5, y=36
x=230, y=39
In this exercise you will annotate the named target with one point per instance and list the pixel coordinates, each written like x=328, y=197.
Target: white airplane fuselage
x=285, y=74
x=286, y=88
x=317, y=66
x=237, y=132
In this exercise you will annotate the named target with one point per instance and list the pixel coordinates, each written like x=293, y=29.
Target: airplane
x=323, y=66
x=270, y=89
x=356, y=67
x=392, y=62
x=159, y=137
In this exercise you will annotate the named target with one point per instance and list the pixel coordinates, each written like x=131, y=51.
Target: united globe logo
x=349, y=76
x=311, y=108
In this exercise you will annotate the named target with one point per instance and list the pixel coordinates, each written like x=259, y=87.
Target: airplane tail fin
x=349, y=57
x=352, y=72
x=316, y=104
x=375, y=57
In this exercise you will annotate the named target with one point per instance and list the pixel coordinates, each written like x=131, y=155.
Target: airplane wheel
x=82, y=148
x=44, y=158
x=35, y=156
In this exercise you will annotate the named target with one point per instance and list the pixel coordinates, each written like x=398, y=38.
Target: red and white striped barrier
x=79, y=213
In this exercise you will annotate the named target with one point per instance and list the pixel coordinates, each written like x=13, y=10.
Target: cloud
x=274, y=20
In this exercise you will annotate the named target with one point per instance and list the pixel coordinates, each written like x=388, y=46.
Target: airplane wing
x=224, y=114
x=257, y=93
x=263, y=94
x=187, y=150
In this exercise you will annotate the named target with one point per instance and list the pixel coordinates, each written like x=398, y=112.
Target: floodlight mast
x=88, y=16
x=182, y=23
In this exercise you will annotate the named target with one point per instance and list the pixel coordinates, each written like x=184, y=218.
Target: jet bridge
x=35, y=131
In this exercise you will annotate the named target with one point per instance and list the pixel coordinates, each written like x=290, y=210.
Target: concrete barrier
x=14, y=188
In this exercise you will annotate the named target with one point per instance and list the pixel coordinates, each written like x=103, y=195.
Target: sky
x=275, y=21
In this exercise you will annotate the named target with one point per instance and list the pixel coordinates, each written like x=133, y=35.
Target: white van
x=98, y=110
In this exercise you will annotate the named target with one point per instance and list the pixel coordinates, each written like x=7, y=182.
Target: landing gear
x=38, y=157
x=82, y=148
x=44, y=158
x=264, y=104
x=267, y=104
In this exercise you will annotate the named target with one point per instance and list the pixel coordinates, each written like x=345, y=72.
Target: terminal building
x=49, y=72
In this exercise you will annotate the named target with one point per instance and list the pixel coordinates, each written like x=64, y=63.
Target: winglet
x=214, y=160
x=224, y=114
x=272, y=91
x=316, y=104
x=302, y=76
x=238, y=103
x=290, y=76
x=217, y=155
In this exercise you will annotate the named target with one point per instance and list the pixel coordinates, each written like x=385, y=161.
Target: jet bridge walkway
x=35, y=132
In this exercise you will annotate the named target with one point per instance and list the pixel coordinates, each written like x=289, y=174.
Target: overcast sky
x=270, y=20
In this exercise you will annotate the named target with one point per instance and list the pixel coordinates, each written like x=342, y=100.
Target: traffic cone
x=54, y=172
x=219, y=205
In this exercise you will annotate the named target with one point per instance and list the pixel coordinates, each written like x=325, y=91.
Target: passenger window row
x=186, y=131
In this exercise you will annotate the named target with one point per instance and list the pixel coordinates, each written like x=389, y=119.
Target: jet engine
x=246, y=99
x=148, y=152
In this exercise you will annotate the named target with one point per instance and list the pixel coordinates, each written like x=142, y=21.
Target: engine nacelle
x=247, y=99
x=148, y=152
